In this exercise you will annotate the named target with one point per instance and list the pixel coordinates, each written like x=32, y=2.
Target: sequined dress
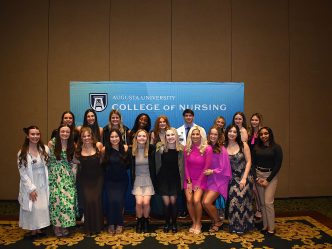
x=241, y=215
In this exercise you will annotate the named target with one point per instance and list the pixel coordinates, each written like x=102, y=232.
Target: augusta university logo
x=98, y=101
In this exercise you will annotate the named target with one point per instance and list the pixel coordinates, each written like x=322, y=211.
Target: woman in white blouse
x=33, y=192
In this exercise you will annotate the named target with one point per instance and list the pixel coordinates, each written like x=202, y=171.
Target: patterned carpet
x=292, y=232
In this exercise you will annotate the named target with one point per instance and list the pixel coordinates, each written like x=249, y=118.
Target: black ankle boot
x=166, y=227
x=139, y=225
x=174, y=227
x=145, y=225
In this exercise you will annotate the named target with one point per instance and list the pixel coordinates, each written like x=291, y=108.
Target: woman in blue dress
x=116, y=162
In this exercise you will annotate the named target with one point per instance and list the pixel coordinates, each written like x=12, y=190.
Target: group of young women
x=86, y=167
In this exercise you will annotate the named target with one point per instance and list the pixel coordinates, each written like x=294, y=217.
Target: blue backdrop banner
x=207, y=99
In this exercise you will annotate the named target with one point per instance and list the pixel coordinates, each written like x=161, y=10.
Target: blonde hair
x=165, y=147
x=202, y=146
x=135, y=145
x=116, y=112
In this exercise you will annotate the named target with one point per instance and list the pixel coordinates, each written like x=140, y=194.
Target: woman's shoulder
x=223, y=149
x=106, y=128
x=209, y=148
x=277, y=147
x=47, y=149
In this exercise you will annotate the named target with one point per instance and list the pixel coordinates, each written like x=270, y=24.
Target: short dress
x=143, y=183
x=222, y=173
x=168, y=178
x=195, y=164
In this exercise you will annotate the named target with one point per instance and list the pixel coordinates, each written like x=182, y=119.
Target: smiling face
x=170, y=137
x=86, y=137
x=90, y=118
x=232, y=134
x=255, y=122
x=115, y=119
x=64, y=132
x=141, y=137
x=114, y=139
x=143, y=122
x=162, y=123
x=188, y=118
x=196, y=137
x=238, y=120
x=213, y=135
x=67, y=119
x=264, y=135
x=220, y=123
x=33, y=136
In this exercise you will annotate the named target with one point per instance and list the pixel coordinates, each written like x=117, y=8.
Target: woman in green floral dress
x=63, y=196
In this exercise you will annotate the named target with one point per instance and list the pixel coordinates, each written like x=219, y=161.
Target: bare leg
x=190, y=206
x=208, y=199
x=197, y=201
x=139, y=206
x=146, y=206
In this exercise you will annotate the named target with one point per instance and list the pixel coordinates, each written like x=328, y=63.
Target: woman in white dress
x=33, y=192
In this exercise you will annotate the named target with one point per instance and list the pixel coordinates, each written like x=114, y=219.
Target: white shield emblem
x=98, y=101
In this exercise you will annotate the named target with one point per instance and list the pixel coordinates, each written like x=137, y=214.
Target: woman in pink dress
x=218, y=177
x=198, y=156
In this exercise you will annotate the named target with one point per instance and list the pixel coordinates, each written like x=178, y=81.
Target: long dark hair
x=136, y=124
x=136, y=127
x=70, y=145
x=244, y=122
x=271, y=137
x=72, y=114
x=25, y=147
x=238, y=136
x=95, y=126
x=109, y=148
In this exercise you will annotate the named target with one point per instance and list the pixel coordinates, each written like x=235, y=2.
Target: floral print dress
x=63, y=196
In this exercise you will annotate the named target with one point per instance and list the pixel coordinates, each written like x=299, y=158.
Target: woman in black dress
x=116, y=163
x=91, y=180
x=169, y=166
